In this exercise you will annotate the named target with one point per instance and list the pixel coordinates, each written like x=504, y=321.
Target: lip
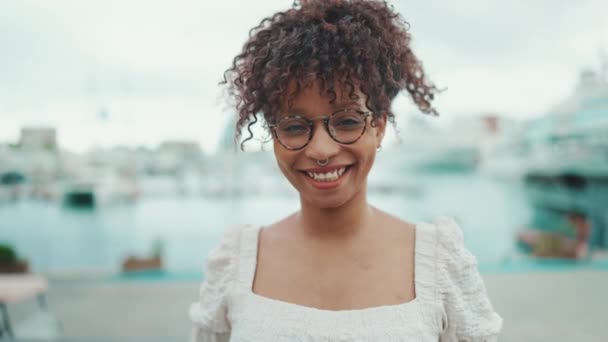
x=327, y=185
x=326, y=169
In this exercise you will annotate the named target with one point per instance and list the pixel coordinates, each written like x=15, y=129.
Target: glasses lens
x=293, y=132
x=347, y=126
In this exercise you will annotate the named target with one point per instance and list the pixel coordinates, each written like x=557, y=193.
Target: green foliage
x=7, y=254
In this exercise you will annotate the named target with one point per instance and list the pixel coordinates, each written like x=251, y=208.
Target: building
x=38, y=138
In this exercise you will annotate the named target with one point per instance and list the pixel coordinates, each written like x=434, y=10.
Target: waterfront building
x=38, y=138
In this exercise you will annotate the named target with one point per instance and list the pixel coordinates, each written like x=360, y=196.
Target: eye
x=347, y=120
x=293, y=127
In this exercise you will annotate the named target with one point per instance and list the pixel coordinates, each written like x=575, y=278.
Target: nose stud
x=323, y=162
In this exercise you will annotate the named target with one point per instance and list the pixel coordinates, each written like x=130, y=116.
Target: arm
x=210, y=314
x=468, y=314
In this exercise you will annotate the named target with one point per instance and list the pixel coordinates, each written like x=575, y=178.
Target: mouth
x=327, y=178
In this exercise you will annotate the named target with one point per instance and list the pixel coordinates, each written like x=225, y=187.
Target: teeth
x=327, y=177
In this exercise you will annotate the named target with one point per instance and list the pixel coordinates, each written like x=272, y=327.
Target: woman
x=323, y=75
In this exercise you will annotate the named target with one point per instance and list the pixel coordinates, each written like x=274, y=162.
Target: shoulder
x=455, y=262
x=452, y=251
x=223, y=256
x=278, y=229
x=441, y=244
x=468, y=312
x=219, y=275
x=395, y=227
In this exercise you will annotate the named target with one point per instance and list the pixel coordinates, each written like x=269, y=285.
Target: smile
x=327, y=177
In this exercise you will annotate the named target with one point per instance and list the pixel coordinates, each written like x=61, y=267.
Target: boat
x=92, y=188
x=426, y=147
x=566, y=174
x=80, y=195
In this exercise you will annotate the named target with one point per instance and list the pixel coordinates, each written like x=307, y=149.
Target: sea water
x=55, y=238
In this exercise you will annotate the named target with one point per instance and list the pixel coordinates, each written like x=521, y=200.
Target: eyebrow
x=347, y=104
x=335, y=106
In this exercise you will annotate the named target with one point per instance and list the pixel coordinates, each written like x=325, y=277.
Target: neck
x=342, y=222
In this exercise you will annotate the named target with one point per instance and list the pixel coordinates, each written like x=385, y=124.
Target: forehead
x=313, y=99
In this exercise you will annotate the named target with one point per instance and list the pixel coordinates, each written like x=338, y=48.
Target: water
x=55, y=238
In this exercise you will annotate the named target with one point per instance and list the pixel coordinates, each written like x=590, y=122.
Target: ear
x=379, y=126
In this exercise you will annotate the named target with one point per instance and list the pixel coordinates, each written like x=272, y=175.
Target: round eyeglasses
x=345, y=126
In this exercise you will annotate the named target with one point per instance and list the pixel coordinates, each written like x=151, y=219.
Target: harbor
x=119, y=169
x=119, y=224
x=541, y=186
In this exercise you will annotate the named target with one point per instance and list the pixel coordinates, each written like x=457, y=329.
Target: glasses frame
x=325, y=119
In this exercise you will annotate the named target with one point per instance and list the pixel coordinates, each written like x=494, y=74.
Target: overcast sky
x=139, y=72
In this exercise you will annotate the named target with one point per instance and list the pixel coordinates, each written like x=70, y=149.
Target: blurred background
x=118, y=170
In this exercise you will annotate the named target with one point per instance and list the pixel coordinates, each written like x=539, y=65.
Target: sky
x=137, y=72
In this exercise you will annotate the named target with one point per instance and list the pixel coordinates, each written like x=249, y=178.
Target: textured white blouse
x=451, y=303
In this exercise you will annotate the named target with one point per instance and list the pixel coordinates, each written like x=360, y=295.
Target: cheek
x=280, y=161
x=366, y=151
x=283, y=158
x=369, y=143
x=374, y=135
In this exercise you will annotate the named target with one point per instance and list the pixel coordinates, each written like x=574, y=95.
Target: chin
x=330, y=201
x=325, y=202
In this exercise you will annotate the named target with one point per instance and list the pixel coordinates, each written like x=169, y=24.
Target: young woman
x=323, y=74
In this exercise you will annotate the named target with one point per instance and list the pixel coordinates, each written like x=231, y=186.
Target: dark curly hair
x=342, y=43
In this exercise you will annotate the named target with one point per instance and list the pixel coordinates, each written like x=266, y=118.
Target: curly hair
x=344, y=43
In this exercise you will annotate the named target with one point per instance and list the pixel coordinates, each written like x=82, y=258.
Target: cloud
x=510, y=57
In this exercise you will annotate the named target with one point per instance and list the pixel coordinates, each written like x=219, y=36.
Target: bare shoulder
x=277, y=230
x=395, y=225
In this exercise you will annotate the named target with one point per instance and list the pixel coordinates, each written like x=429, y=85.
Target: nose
x=321, y=145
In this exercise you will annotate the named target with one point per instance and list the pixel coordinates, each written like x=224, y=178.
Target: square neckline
x=248, y=265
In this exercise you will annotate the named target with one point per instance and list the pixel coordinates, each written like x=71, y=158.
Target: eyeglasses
x=344, y=126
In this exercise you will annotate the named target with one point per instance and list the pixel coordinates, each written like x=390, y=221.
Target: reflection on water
x=55, y=238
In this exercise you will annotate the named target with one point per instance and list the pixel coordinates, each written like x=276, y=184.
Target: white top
x=451, y=303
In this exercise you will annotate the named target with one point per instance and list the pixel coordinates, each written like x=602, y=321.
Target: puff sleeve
x=468, y=314
x=209, y=314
